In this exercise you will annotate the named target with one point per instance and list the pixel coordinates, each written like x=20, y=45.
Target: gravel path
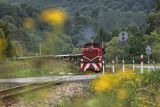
x=53, y=97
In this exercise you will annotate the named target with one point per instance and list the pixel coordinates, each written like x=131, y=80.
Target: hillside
x=98, y=20
x=108, y=13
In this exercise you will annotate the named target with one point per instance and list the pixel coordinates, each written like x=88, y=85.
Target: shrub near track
x=123, y=90
x=36, y=68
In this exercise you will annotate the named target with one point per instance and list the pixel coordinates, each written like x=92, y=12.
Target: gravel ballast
x=52, y=98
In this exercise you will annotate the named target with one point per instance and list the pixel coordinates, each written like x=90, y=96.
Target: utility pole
x=40, y=49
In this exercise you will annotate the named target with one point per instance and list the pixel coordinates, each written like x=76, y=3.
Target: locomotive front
x=92, y=57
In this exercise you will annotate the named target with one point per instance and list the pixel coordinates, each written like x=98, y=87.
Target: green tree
x=102, y=36
x=2, y=44
x=7, y=50
x=115, y=32
x=113, y=49
x=154, y=41
x=153, y=21
x=157, y=4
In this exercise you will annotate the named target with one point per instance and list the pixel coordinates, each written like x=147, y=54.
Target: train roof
x=94, y=44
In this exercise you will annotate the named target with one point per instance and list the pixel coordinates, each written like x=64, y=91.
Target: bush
x=38, y=63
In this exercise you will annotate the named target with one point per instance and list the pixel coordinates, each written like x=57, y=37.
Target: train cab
x=92, y=57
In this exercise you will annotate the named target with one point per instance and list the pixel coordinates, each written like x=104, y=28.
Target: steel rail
x=26, y=88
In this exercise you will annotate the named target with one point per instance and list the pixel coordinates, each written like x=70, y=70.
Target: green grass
x=36, y=68
x=129, y=92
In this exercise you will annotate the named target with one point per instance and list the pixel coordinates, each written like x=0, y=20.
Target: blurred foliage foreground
x=36, y=67
x=122, y=90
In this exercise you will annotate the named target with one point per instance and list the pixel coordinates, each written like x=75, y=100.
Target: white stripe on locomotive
x=87, y=66
x=95, y=66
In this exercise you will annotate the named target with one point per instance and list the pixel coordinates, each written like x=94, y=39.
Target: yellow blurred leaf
x=28, y=23
x=53, y=16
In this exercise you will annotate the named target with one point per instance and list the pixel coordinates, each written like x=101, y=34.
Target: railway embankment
x=49, y=97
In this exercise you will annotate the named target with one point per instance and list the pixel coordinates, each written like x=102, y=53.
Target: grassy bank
x=36, y=67
x=123, y=90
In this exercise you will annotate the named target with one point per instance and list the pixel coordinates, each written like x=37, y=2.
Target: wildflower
x=122, y=94
x=105, y=82
x=127, y=74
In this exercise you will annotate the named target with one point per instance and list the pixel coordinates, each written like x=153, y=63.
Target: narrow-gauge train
x=92, y=57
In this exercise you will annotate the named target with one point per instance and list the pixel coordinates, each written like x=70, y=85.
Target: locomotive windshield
x=92, y=45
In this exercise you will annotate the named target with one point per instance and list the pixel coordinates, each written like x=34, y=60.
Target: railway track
x=68, y=78
x=6, y=93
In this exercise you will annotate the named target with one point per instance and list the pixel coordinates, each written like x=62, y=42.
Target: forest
x=23, y=32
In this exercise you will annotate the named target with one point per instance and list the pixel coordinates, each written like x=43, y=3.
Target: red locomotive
x=92, y=57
